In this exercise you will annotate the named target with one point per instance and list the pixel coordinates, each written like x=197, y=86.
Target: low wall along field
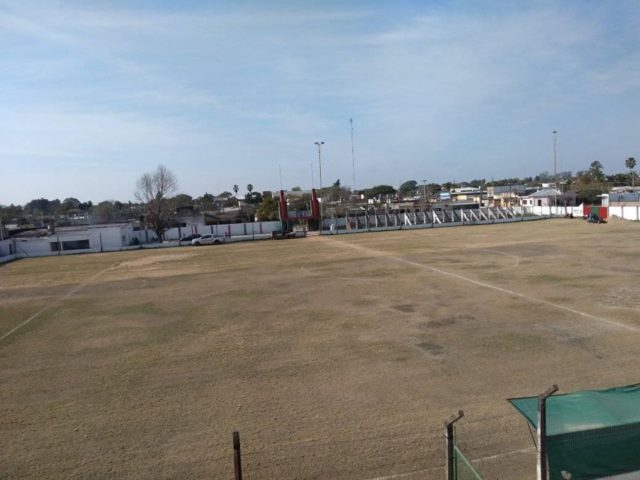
x=335, y=357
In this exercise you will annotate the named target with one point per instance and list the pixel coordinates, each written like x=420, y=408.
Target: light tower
x=555, y=170
x=319, y=144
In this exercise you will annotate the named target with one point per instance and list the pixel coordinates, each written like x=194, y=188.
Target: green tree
x=69, y=204
x=596, y=171
x=544, y=177
x=618, y=179
x=235, y=190
x=254, y=198
x=267, y=210
x=630, y=163
x=249, y=188
x=206, y=201
x=381, y=190
x=182, y=200
x=11, y=214
x=104, y=212
x=408, y=188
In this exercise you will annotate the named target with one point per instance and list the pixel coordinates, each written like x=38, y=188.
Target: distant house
x=467, y=195
x=188, y=215
x=506, y=195
x=548, y=197
x=243, y=213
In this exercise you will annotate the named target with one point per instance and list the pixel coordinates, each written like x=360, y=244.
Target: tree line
x=157, y=200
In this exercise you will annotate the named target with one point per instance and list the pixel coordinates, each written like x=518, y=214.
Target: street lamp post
x=319, y=144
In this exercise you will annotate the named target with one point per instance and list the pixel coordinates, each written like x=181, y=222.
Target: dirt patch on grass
x=406, y=308
x=156, y=259
x=432, y=348
x=310, y=350
x=624, y=296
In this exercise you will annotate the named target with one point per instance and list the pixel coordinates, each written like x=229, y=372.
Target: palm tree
x=249, y=188
x=631, y=164
x=235, y=189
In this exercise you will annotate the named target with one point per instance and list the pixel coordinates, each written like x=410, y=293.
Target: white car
x=208, y=239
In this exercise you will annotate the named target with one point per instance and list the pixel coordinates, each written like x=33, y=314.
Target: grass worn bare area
x=334, y=357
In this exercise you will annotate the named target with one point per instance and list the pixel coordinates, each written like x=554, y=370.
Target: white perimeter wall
x=5, y=255
x=114, y=238
x=232, y=229
x=550, y=210
x=631, y=212
x=4, y=247
x=628, y=213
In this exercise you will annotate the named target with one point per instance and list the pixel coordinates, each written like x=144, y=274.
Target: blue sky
x=93, y=94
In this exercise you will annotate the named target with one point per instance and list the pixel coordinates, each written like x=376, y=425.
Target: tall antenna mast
x=353, y=158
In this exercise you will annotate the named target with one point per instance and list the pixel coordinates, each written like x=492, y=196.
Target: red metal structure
x=288, y=218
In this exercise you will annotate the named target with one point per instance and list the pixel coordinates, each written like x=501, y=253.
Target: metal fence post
x=542, y=473
x=237, y=461
x=449, y=439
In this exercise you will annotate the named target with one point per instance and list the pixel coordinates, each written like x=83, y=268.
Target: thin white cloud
x=248, y=88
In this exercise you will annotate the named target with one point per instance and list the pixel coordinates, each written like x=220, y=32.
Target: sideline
x=59, y=300
x=457, y=276
x=441, y=467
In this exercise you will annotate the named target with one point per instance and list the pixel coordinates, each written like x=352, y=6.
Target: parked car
x=190, y=238
x=208, y=239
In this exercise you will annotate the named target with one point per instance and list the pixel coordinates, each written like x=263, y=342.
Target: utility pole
x=319, y=144
x=312, y=180
x=555, y=170
x=353, y=158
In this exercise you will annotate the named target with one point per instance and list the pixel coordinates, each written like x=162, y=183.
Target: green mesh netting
x=462, y=468
x=591, y=434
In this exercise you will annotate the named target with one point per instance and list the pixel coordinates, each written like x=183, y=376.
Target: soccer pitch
x=335, y=357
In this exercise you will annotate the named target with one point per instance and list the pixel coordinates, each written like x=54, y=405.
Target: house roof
x=624, y=197
x=546, y=192
x=506, y=189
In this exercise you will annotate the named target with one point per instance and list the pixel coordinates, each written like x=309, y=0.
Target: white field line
x=479, y=283
x=474, y=460
x=516, y=259
x=57, y=301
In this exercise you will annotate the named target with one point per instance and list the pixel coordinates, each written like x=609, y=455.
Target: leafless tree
x=153, y=189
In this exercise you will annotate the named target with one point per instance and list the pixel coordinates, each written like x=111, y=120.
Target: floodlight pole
x=450, y=463
x=319, y=144
x=555, y=171
x=542, y=473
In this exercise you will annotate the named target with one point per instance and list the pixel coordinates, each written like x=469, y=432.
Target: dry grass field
x=335, y=357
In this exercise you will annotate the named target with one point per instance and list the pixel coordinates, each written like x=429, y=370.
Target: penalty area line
x=57, y=301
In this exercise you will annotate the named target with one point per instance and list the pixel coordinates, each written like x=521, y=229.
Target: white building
x=547, y=197
x=77, y=239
